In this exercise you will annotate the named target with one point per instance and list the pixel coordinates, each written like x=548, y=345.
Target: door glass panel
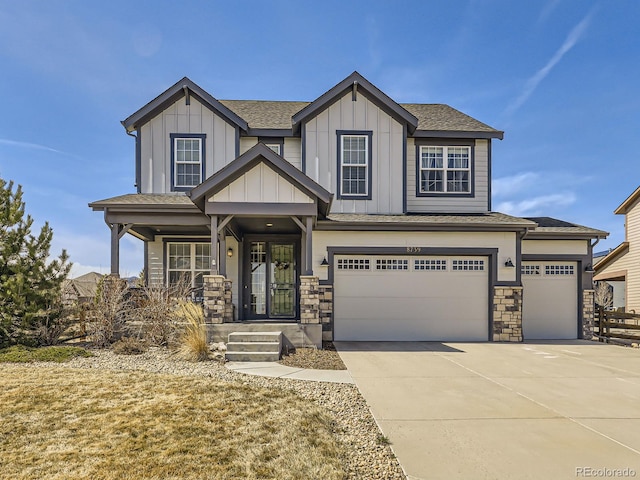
x=258, y=257
x=282, y=270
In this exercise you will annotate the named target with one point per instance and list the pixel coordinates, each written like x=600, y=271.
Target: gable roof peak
x=182, y=88
x=356, y=81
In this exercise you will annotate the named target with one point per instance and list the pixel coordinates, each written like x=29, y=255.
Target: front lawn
x=96, y=424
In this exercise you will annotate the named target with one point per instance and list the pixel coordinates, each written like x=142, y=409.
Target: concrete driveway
x=551, y=410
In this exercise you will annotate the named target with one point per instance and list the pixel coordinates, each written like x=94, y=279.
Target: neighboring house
x=81, y=289
x=351, y=217
x=621, y=266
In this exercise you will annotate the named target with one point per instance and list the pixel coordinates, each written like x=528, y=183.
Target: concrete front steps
x=254, y=346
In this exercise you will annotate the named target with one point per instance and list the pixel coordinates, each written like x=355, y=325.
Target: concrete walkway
x=277, y=370
x=545, y=410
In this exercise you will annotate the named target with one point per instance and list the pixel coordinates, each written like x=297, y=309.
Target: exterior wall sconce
x=230, y=252
x=588, y=268
x=509, y=263
x=324, y=262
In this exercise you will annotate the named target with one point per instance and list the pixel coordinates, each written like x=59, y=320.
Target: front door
x=270, y=279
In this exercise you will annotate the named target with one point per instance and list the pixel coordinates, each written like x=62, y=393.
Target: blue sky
x=561, y=78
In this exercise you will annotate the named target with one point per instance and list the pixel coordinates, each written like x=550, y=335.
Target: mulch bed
x=309, y=357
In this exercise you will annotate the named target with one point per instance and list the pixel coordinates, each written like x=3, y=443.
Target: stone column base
x=309, y=299
x=507, y=314
x=588, y=314
x=214, y=298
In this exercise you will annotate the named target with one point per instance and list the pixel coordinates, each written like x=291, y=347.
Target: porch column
x=309, y=247
x=223, y=253
x=115, y=249
x=214, y=245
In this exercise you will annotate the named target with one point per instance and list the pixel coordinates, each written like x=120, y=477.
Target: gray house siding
x=477, y=203
x=155, y=149
x=321, y=151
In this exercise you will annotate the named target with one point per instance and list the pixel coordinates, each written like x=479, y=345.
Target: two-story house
x=350, y=217
x=621, y=266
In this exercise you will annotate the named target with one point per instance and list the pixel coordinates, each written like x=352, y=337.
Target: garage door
x=410, y=298
x=549, y=300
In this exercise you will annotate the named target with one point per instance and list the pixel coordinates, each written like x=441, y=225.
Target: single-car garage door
x=549, y=300
x=410, y=298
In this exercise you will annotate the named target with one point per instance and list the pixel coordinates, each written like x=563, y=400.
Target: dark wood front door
x=270, y=279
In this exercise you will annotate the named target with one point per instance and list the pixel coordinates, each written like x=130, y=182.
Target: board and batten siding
x=479, y=203
x=220, y=143
x=261, y=184
x=632, y=222
x=321, y=150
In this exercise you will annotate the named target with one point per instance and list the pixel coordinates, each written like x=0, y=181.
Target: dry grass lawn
x=60, y=423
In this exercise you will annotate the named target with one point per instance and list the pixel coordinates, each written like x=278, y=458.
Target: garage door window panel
x=435, y=265
x=468, y=265
x=392, y=264
x=353, y=264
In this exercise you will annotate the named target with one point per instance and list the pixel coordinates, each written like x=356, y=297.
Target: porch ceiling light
x=269, y=224
x=229, y=252
x=509, y=263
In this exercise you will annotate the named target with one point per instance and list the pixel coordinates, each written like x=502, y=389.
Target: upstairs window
x=354, y=165
x=445, y=169
x=187, y=160
x=275, y=147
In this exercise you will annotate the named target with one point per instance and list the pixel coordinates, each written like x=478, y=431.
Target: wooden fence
x=617, y=325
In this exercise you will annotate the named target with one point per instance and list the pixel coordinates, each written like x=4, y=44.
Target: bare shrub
x=603, y=295
x=156, y=312
x=193, y=340
x=109, y=312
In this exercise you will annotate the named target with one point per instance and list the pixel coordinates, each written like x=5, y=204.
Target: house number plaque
x=414, y=249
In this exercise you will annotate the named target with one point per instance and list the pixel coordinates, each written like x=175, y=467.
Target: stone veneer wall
x=309, y=299
x=217, y=299
x=507, y=314
x=326, y=311
x=588, y=313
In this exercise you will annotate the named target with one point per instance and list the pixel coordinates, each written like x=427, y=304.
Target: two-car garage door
x=419, y=298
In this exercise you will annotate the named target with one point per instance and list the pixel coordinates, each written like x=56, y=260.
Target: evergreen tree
x=31, y=309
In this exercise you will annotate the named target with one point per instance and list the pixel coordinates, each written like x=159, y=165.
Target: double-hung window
x=187, y=160
x=354, y=165
x=187, y=263
x=444, y=169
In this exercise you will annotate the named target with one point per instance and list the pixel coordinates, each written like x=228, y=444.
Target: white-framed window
x=275, y=147
x=187, y=157
x=354, y=164
x=188, y=262
x=445, y=169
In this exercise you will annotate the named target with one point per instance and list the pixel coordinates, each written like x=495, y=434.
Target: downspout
x=595, y=243
x=137, y=172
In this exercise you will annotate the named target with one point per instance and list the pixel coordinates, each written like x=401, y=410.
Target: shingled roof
x=267, y=114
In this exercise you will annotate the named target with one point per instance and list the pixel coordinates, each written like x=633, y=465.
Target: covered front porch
x=243, y=238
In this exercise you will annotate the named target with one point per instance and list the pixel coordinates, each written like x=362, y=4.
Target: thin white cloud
x=530, y=86
x=538, y=205
x=33, y=146
x=506, y=186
